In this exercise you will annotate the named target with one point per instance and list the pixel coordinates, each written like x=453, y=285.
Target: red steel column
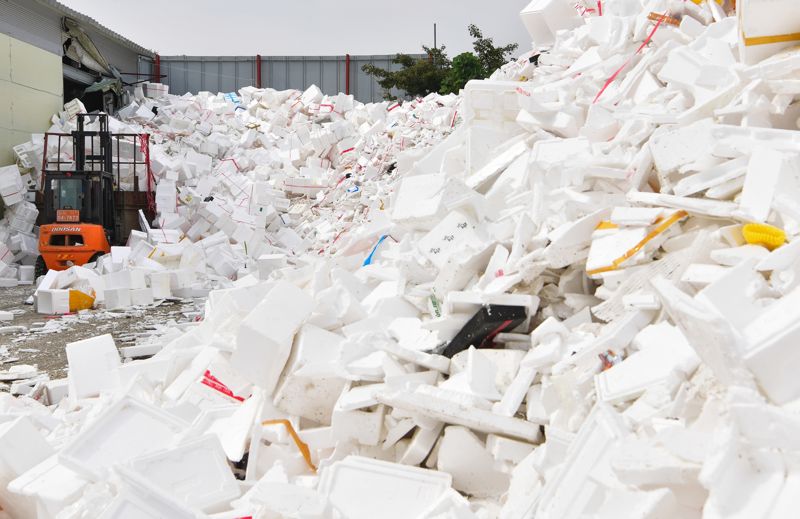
x=347, y=74
x=157, y=70
x=258, y=71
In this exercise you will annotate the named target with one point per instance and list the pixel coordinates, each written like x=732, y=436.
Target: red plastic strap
x=234, y=163
x=490, y=338
x=624, y=65
x=600, y=7
x=348, y=150
x=214, y=383
x=144, y=144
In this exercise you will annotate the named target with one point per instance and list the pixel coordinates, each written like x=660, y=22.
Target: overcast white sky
x=305, y=27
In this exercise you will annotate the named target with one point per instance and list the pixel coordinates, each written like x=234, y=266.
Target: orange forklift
x=79, y=213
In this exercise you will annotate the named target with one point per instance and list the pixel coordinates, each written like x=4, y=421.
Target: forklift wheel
x=40, y=269
x=96, y=257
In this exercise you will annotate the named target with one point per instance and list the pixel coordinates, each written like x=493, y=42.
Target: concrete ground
x=36, y=339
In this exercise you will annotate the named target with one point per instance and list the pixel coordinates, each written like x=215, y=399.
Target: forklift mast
x=84, y=186
x=85, y=195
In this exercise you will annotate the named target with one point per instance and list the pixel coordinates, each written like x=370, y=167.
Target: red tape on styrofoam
x=215, y=384
x=625, y=65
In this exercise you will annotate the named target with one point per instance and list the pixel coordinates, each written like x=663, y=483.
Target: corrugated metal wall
x=32, y=23
x=230, y=73
x=39, y=25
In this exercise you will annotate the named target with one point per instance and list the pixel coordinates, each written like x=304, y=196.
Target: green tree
x=491, y=57
x=435, y=72
x=465, y=67
x=417, y=77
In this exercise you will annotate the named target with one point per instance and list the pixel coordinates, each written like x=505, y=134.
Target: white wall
x=31, y=91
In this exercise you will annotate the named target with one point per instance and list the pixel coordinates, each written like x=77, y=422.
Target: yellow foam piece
x=662, y=227
x=765, y=235
x=79, y=301
x=605, y=225
x=301, y=445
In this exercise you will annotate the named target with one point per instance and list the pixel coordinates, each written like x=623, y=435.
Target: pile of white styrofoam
x=245, y=182
x=583, y=302
x=18, y=241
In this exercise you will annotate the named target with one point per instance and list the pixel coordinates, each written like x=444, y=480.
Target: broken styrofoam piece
x=195, y=473
x=433, y=404
x=466, y=458
x=126, y=430
x=664, y=353
x=363, y=488
x=264, y=341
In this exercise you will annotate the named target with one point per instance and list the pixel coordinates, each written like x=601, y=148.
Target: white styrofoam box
x=166, y=197
x=759, y=26
x=195, y=473
x=489, y=100
x=362, y=488
x=118, y=279
x=155, y=90
x=268, y=263
x=74, y=107
x=119, y=256
x=11, y=187
x=22, y=447
x=117, y=298
x=92, y=366
x=52, y=302
x=6, y=256
x=544, y=18
x=26, y=273
x=57, y=390
x=53, y=485
x=160, y=285
x=141, y=297
x=264, y=340
x=181, y=279
x=26, y=154
x=127, y=430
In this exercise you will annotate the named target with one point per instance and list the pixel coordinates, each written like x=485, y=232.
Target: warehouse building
x=46, y=57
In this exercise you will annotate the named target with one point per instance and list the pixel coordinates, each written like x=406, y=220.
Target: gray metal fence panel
x=230, y=73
